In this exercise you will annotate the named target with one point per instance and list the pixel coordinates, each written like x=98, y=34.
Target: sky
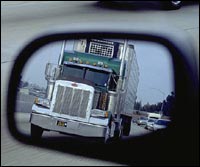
x=156, y=72
x=154, y=60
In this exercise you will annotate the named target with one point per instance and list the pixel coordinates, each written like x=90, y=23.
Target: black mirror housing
x=179, y=144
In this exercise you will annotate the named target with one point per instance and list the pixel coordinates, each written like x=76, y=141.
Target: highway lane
x=22, y=21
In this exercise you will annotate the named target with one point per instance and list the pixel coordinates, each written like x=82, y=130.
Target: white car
x=161, y=124
x=142, y=121
x=149, y=124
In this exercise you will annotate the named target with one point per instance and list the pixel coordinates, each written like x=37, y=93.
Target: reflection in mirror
x=99, y=88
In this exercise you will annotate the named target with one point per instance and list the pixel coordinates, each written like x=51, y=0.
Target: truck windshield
x=98, y=78
x=70, y=71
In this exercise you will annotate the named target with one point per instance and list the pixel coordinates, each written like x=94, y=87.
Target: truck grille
x=72, y=102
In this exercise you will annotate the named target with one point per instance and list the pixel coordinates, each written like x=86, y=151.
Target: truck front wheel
x=113, y=132
x=36, y=132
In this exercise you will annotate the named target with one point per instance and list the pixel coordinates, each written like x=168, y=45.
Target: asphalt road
x=22, y=21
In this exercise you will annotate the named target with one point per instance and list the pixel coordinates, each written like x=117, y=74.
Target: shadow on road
x=124, y=151
x=135, y=5
x=129, y=6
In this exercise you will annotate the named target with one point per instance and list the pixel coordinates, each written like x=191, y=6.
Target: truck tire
x=36, y=132
x=107, y=138
x=117, y=133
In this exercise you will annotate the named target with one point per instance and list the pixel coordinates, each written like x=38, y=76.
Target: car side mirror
x=186, y=86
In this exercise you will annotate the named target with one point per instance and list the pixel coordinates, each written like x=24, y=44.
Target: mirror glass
x=99, y=88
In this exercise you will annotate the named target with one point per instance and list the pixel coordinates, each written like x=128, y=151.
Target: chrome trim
x=74, y=127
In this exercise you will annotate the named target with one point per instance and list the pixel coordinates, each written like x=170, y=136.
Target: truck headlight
x=42, y=102
x=99, y=113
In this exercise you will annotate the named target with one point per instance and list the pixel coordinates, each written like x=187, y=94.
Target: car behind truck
x=90, y=92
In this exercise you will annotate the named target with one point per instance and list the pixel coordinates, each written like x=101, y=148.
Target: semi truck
x=91, y=91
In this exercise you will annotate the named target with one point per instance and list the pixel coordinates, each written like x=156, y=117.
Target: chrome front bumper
x=72, y=127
